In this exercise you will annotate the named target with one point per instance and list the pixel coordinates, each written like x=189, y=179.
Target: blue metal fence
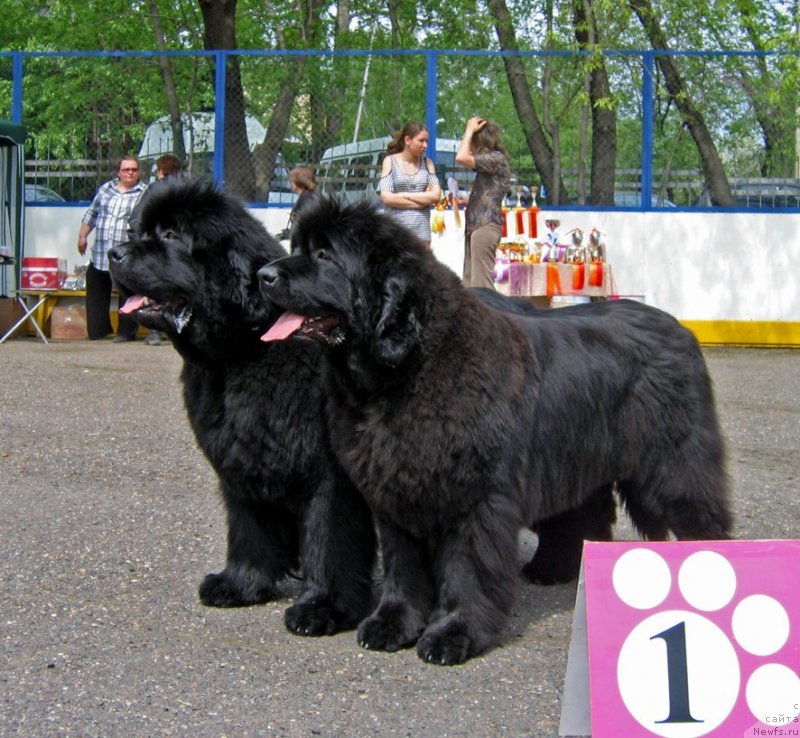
x=657, y=167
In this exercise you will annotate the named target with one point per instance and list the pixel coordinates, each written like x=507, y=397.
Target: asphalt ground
x=109, y=518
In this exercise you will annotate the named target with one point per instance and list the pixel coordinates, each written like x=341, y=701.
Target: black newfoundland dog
x=461, y=424
x=256, y=410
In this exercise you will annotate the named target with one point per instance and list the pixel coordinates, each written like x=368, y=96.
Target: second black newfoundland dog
x=461, y=424
x=256, y=410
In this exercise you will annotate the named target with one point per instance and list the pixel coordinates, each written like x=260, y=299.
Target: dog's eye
x=169, y=236
x=322, y=255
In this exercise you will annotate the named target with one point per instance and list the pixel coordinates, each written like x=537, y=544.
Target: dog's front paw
x=445, y=646
x=315, y=617
x=388, y=632
x=224, y=590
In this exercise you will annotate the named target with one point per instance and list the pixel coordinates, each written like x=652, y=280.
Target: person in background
x=167, y=166
x=108, y=216
x=408, y=185
x=304, y=185
x=481, y=149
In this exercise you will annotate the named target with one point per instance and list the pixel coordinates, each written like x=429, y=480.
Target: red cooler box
x=43, y=273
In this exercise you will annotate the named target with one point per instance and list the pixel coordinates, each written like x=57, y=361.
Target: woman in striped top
x=408, y=184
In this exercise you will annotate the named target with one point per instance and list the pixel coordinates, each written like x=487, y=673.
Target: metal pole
x=220, y=59
x=648, y=74
x=363, y=92
x=797, y=112
x=431, y=100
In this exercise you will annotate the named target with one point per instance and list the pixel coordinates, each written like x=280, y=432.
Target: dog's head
x=356, y=280
x=193, y=267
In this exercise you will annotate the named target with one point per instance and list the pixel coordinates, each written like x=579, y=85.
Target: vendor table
x=549, y=279
x=41, y=308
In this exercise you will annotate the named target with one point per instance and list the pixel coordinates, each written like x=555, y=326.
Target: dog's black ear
x=398, y=330
x=243, y=288
x=240, y=271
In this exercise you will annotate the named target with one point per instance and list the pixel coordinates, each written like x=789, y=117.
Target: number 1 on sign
x=677, y=674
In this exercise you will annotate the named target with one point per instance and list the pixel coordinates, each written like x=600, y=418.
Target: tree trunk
x=341, y=66
x=317, y=82
x=604, y=118
x=540, y=148
x=711, y=164
x=175, y=121
x=265, y=155
x=219, y=21
x=395, y=122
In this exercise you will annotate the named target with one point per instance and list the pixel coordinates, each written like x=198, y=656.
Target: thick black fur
x=461, y=424
x=257, y=410
x=558, y=554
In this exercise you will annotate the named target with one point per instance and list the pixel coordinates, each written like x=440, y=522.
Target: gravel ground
x=109, y=518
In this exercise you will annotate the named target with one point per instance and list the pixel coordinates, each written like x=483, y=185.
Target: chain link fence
x=245, y=118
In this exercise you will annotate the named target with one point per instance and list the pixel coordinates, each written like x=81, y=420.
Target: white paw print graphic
x=709, y=651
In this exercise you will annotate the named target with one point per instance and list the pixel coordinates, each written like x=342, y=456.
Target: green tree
x=541, y=150
x=770, y=83
x=575, y=119
x=713, y=170
x=219, y=24
x=176, y=121
x=598, y=91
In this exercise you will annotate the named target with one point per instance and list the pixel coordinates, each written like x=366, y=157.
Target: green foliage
x=95, y=107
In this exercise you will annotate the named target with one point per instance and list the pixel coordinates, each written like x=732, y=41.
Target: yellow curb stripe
x=746, y=332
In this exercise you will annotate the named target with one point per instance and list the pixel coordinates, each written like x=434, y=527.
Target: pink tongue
x=284, y=327
x=132, y=303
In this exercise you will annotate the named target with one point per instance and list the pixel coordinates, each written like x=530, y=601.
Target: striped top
x=418, y=221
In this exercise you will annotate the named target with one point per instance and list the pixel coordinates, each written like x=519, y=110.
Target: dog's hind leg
x=262, y=547
x=338, y=555
x=647, y=518
x=558, y=555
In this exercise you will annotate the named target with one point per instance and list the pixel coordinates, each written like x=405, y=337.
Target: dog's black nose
x=118, y=253
x=268, y=274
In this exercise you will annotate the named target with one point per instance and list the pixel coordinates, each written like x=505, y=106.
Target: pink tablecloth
x=533, y=280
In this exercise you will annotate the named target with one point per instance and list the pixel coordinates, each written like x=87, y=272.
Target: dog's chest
x=253, y=426
x=413, y=460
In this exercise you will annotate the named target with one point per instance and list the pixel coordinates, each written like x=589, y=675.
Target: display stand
x=28, y=315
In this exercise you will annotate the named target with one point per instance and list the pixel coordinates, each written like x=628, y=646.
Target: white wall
x=697, y=266
x=704, y=266
x=53, y=231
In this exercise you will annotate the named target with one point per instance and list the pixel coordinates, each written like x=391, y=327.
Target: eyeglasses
x=130, y=169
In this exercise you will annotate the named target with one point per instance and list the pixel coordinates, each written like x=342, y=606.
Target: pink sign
x=690, y=639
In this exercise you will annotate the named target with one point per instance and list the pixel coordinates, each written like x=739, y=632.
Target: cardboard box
x=43, y=273
x=10, y=312
x=68, y=323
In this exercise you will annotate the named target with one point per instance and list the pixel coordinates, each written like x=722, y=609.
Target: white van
x=351, y=171
x=198, y=137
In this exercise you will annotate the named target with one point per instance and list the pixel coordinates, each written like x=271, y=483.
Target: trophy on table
x=576, y=251
x=597, y=246
x=550, y=251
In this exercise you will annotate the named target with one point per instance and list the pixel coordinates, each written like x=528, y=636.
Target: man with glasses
x=108, y=216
